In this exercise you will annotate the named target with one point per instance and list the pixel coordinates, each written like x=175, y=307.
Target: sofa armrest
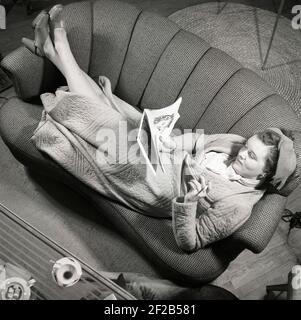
x=30, y=74
x=256, y=233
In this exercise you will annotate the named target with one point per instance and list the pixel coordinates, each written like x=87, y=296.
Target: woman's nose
x=242, y=154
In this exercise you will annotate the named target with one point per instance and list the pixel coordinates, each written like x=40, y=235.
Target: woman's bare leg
x=51, y=41
x=60, y=54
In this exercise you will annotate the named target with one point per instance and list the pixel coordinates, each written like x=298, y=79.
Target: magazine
x=156, y=124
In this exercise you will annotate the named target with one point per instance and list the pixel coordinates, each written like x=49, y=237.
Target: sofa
x=150, y=62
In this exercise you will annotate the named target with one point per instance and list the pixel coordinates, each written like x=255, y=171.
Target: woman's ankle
x=61, y=43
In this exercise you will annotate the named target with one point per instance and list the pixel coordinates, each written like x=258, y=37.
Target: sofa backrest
x=151, y=61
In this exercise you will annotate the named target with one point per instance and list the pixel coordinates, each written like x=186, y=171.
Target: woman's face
x=251, y=158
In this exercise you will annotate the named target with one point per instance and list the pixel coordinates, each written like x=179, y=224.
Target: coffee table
x=25, y=247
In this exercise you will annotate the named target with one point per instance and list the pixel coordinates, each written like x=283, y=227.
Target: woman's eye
x=251, y=155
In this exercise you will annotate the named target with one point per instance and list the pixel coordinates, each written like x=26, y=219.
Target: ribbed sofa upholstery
x=150, y=62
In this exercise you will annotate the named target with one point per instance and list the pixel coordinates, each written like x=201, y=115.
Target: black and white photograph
x=150, y=150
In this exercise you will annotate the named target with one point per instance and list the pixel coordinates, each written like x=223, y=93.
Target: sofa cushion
x=294, y=180
x=18, y=121
x=113, y=23
x=210, y=74
x=78, y=22
x=173, y=69
x=151, y=36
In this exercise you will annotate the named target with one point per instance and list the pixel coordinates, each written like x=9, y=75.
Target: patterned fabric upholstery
x=146, y=46
x=113, y=24
x=294, y=179
x=151, y=62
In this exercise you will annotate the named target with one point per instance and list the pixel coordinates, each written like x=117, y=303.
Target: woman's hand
x=167, y=144
x=197, y=190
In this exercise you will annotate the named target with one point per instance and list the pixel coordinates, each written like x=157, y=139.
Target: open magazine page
x=158, y=122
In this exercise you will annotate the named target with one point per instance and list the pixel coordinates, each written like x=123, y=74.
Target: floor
x=65, y=217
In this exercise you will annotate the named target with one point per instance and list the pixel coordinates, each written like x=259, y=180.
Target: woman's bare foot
x=62, y=52
x=41, y=30
x=44, y=25
x=56, y=19
x=59, y=34
x=37, y=18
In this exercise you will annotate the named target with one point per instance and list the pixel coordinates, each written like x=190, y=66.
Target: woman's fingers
x=197, y=189
x=208, y=187
x=195, y=185
x=199, y=186
x=191, y=185
x=203, y=182
x=202, y=191
x=167, y=142
x=192, y=194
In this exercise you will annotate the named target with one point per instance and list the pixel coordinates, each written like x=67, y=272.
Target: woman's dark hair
x=271, y=139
